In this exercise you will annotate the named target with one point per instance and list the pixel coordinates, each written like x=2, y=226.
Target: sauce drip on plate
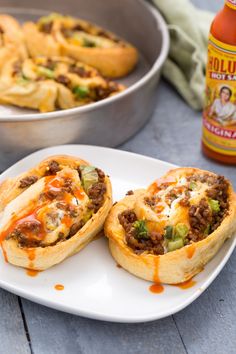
x=186, y=284
x=156, y=288
x=59, y=287
x=32, y=272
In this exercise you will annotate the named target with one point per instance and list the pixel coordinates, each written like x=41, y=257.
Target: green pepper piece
x=88, y=43
x=46, y=72
x=214, y=205
x=175, y=244
x=141, y=228
x=193, y=185
x=49, y=18
x=23, y=80
x=86, y=168
x=87, y=216
x=81, y=91
x=89, y=176
x=181, y=230
x=207, y=229
x=168, y=232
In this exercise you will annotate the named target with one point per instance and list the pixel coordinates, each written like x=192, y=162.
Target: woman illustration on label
x=222, y=110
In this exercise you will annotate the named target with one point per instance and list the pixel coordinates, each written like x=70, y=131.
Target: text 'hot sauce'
x=219, y=115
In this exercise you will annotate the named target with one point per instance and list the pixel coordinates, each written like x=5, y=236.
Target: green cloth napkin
x=185, y=66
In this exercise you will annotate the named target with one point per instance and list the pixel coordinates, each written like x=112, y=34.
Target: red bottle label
x=219, y=115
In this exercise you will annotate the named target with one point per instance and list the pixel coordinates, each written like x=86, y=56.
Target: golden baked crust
x=64, y=35
x=49, y=214
x=11, y=40
x=52, y=83
x=181, y=264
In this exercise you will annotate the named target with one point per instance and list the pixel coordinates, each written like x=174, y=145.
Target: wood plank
x=12, y=331
x=56, y=332
x=208, y=325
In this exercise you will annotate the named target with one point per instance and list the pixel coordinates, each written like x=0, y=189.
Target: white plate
x=94, y=286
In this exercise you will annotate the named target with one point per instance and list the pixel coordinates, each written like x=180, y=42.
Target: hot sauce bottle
x=219, y=114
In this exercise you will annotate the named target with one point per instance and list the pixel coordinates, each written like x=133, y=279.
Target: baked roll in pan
x=52, y=211
x=53, y=83
x=64, y=35
x=11, y=40
x=168, y=232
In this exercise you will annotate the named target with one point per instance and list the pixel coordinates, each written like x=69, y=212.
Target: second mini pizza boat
x=168, y=232
x=64, y=35
x=53, y=83
x=52, y=211
x=11, y=40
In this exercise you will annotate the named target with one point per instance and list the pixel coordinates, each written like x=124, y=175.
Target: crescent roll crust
x=52, y=211
x=51, y=83
x=168, y=232
x=11, y=40
x=64, y=35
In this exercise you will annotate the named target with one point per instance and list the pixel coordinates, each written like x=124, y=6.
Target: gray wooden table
x=206, y=326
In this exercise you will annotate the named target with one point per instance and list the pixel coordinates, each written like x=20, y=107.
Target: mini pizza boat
x=64, y=35
x=52, y=211
x=48, y=84
x=11, y=40
x=168, y=232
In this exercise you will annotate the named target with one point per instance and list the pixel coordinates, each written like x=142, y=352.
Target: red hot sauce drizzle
x=190, y=250
x=160, y=183
x=52, y=183
x=157, y=287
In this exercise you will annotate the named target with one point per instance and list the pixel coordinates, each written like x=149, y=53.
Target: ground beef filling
x=52, y=168
x=19, y=234
x=80, y=71
x=200, y=216
x=152, y=201
x=17, y=66
x=219, y=192
x=96, y=195
x=62, y=79
x=203, y=220
x=27, y=181
x=46, y=27
x=152, y=242
x=49, y=64
x=104, y=92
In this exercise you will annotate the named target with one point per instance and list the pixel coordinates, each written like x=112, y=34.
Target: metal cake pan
x=111, y=121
